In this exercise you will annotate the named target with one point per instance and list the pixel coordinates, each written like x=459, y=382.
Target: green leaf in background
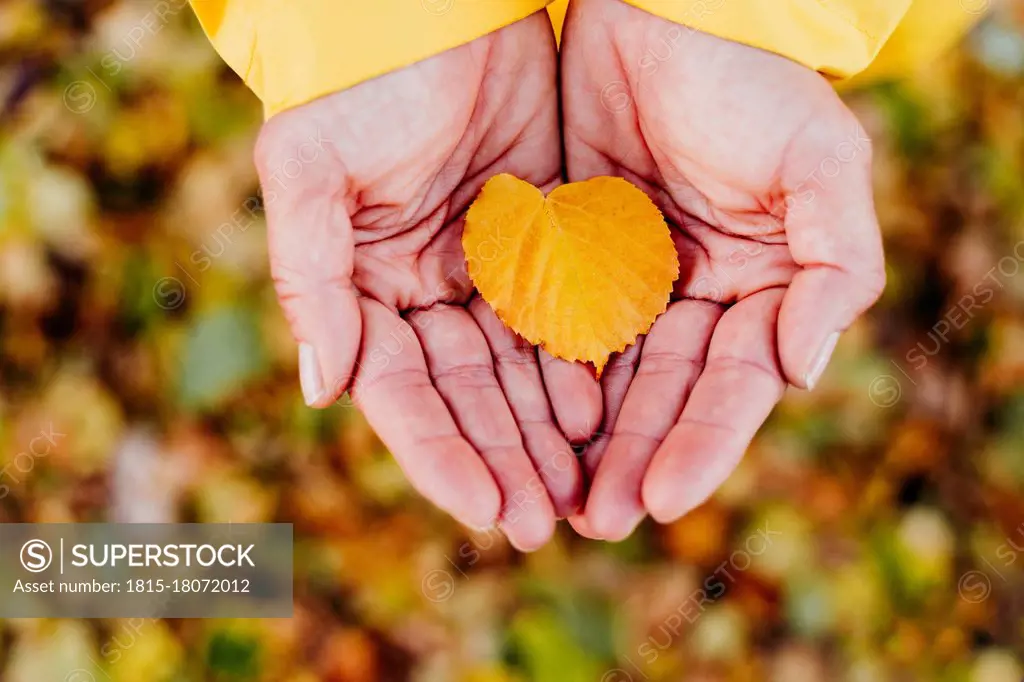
x=586, y=615
x=908, y=119
x=885, y=553
x=139, y=309
x=589, y=618
x=544, y=648
x=222, y=351
x=233, y=656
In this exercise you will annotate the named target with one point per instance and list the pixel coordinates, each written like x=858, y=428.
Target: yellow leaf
x=582, y=272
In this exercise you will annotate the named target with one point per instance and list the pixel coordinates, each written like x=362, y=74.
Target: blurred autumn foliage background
x=874, y=532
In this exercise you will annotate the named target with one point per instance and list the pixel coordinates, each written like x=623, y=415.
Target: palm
x=367, y=256
x=727, y=140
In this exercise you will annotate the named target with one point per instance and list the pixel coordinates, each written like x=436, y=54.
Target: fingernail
x=310, y=378
x=821, y=361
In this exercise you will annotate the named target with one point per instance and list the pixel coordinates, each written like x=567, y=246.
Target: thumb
x=834, y=236
x=311, y=255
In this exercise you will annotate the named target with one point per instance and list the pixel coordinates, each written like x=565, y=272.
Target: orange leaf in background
x=582, y=272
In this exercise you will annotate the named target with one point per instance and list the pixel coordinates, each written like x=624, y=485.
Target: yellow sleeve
x=928, y=29
x=290, y=52
x=839, y=38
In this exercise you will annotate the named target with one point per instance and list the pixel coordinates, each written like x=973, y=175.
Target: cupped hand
x=365, y=194
x=764, y=177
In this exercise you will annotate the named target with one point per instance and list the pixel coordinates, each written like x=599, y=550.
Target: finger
x=575, y=396
x=673, y=357
x=461, y=367
x=581, y=525
x=739, y=387
x=615, y=380
x=519, y=376
x=833, y=234
x=394, y=391
x=311, y=257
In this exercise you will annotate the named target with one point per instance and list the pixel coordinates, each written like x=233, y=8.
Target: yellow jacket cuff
x=839, y=38
x=290, y=52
